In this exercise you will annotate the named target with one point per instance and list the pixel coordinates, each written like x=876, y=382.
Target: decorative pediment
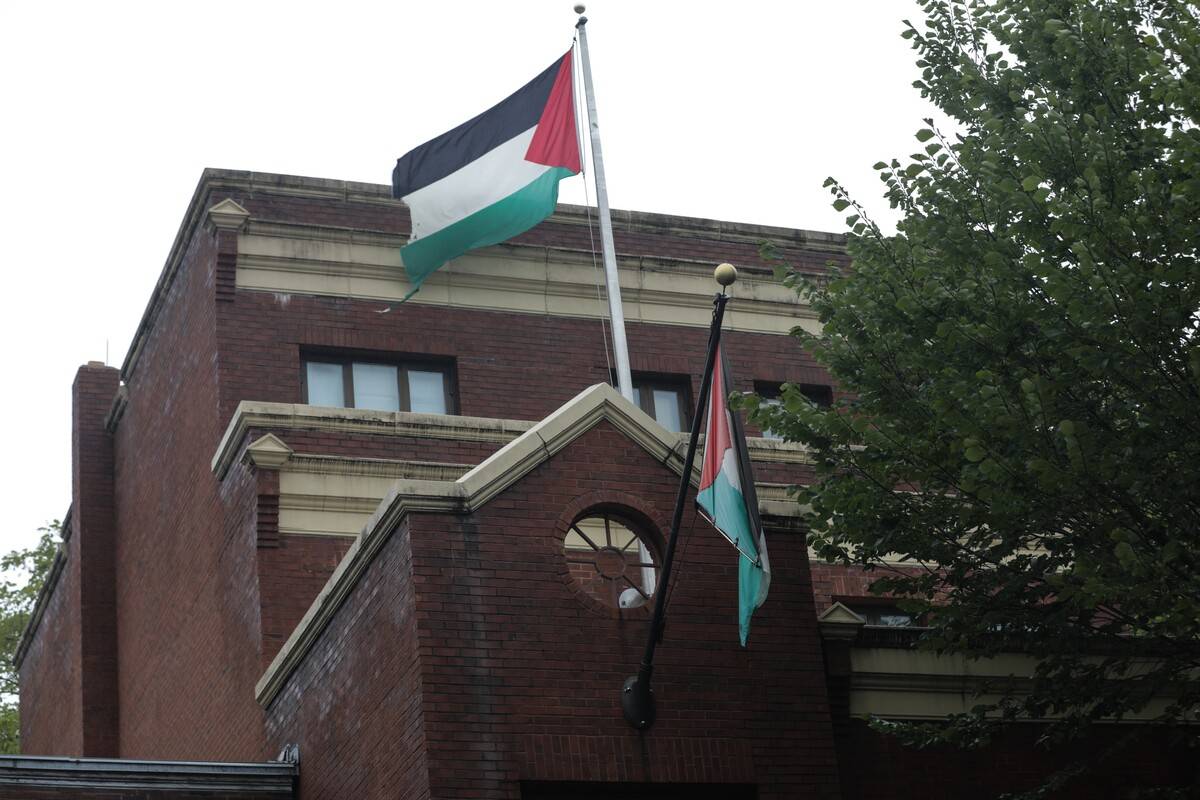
x=268, y=452
x=228, y=215
x=839, y=622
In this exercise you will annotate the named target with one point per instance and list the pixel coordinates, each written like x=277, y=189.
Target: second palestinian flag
x=726, y=497
x=492, y=177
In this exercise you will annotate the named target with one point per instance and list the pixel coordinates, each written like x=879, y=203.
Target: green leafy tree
x=24, y=572
x=1021, y=360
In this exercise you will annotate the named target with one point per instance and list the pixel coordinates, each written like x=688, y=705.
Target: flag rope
x=587, y=205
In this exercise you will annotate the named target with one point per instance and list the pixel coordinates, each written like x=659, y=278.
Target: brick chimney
x=94, y=531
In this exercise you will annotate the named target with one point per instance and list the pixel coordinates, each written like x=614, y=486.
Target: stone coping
x=298, y=416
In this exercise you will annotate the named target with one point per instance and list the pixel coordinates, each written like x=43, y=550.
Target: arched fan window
x=612, y=558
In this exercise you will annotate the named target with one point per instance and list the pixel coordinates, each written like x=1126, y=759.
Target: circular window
x=610, y=560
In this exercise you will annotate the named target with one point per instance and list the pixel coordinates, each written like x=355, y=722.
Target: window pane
x=375, y=387
x=426, y=392
x=666, y=409
x=768, y=433
x=817, y=395
x=325, y=384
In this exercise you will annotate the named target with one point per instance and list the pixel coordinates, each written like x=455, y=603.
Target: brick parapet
x=519, y=680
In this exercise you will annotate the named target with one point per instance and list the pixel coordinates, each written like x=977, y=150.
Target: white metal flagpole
x=616, y=312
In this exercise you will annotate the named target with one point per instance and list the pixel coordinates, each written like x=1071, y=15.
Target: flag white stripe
x=473, y=187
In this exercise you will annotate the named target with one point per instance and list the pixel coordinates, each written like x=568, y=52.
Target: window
x=879, y=611
x=816, y=393
x=667, y=399
x=379, y=385
x=610, y=558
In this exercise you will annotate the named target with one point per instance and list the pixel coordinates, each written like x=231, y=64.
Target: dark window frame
x=873, y=608
x=646, y=383
x=403, y=364
x=819, y=394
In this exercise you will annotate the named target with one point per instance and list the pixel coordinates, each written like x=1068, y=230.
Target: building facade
x=413, y=543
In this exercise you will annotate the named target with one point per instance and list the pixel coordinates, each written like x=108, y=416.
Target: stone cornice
x=376, y=467
x=219, y=181
x=297, y=416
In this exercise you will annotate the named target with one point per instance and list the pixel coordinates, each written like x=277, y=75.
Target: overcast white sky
x=730, y=110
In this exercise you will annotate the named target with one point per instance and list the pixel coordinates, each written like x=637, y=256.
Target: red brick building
x=396, y=535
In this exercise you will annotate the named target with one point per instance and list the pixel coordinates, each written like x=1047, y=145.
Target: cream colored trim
x=242, y=182
x=268, y=452
x=228, y=215
x=285, y=416
x=779, y=452
x=839, y=623
x=333, y=496
x=923, y=685
x=376, y=468
x=285, y=259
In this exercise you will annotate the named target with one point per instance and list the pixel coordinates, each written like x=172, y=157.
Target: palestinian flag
x=492, y=177
x=726, y=497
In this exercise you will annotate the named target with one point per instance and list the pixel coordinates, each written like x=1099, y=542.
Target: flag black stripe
x=445, y=154
x=738, y=435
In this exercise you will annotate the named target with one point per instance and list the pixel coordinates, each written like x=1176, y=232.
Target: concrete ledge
x=104, y=775
x=910, y=684
x=283, y=416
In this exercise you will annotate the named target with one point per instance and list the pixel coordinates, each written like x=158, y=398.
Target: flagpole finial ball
x=725, y=274
x=580, y=8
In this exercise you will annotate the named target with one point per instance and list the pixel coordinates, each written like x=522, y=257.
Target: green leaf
x=1021, y=358
x=840, y=204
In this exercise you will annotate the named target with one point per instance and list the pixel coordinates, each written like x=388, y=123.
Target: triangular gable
x=495, y=474
x=573, y=419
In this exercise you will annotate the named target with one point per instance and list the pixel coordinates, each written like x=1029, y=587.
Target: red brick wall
x=513, y=366
x=201, y=606
x=291, y=573
x=354, y=705
x=187, y=588
x=68, y=678
x=51, y=673
x=519, y=677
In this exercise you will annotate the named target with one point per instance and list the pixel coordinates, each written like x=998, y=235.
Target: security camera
x=631, y=598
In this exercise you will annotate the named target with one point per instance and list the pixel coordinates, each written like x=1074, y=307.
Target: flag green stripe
x=727, y=506
x=502, y=220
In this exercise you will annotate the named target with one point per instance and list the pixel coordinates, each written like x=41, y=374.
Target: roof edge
x=272, y=778
x=215, y=179
x=49, y=584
